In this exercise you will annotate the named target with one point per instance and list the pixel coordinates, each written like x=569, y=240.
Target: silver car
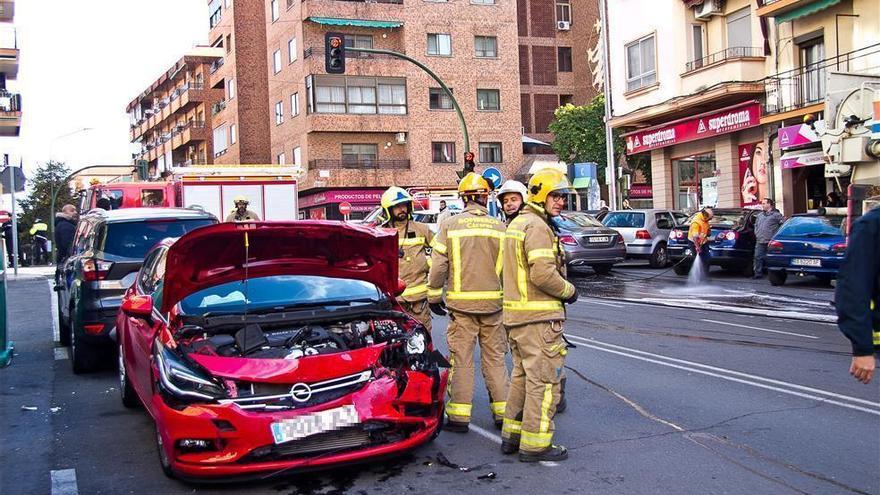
x=645, y=232
x=587, y=242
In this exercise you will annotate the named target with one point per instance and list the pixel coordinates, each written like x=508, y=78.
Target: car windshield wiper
x=821, y=234
x=319, y=304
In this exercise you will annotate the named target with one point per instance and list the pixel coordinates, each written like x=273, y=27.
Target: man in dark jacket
x=65, y=227
x=767, y=223
x=858, y=295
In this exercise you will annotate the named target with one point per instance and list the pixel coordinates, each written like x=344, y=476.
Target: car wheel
x=777, y=277
x=63, y=327
x=126, y=391
x=659, y=258
x=601, y=269
x=682, y=269
x=82, y=356
x=164, y=461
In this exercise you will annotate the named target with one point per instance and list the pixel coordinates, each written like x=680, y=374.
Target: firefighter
x=535, y=289
x=414, y=250
x=511, y=197
x=241, y=212
x=467, y=259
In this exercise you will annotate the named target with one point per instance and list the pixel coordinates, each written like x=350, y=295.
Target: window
x=812, y=52
x=563, y=10
x=488, y=99
x=439, y=44
x=359, y=154
x=490, y=153
x=297, y=156
x=228, y=43
x=689, y=173
x=221, y=139
x=281, y=158
x=443, y=152
x=279, y=113
x=233, y=131
x=230, y=89
x=739, y=32
x=275, y=13
x=359, y=41
x=697, y=50
x=291, y=50
x=392, y=97
x=294, y=104
x=640, y=64
x=359, y=95
x=439, y=100
x=564, y=58
x=565, y=100
x=276, y=61
x=486, y=46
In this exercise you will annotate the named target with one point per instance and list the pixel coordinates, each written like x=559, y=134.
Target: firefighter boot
x=551, y=453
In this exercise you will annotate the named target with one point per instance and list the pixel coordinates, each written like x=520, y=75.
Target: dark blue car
x=807, y=245
x=731, y=242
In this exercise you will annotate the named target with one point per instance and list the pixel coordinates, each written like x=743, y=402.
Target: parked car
x=277, y=348
x=108, y=249
x=587, y=242
x=645, y=232
x=731, y=242
x=807, y=244
x=598, y=214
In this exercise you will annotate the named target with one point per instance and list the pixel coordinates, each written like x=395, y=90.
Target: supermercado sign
x=691, y=129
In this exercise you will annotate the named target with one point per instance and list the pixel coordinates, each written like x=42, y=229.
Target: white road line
x=695, y=368
x=64, y=482
x=602, y=303
x=61, y=353
x=761, y=329
x=486, y=434
x=53, y=303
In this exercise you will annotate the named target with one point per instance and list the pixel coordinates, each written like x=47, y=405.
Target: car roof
x=130, y=214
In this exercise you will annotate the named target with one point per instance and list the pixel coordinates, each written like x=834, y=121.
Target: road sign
x=345, y=207
x=493, y=175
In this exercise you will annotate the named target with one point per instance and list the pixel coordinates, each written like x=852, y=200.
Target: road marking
x=53, y=303
x=64, y=482
x=761, y=329
x=486, y=434
x=61, y=353
x=695, y=368
x=602, y=303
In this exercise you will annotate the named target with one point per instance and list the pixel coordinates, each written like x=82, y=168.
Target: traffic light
x=334, y=53
x=468, y=164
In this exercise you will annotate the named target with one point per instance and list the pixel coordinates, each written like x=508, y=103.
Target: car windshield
x=278, y=292
x=724, y=220
x=134, y=239
x=812, y=227
x=572, y=221
x=625, y=219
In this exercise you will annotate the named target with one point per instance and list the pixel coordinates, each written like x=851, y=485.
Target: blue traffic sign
x=493, y=175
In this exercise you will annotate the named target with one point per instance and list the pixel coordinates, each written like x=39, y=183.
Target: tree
x=48, y=177
x=579, y=134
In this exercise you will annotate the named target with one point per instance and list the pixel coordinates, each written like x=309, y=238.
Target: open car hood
x=215, y=255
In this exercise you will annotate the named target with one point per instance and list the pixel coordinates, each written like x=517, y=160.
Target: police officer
x=858, y=295
x=241, y=212
x=535, y=289
x=467, y=260
x=414, y=248
x=40, y=234
x=511, y=197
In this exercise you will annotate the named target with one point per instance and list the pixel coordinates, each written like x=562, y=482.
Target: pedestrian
x=535, y=289
x=857, y=297
x=698, y=236
x=7, y=238
x=767, y=223
x=65, y=227
x=39, y=238
x=832, y=200
x=511, y=197
x=414, y=247
x=444, y=212
x=467, y=260
x=241, y=212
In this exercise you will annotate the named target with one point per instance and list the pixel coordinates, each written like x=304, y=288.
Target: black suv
x=108, y=249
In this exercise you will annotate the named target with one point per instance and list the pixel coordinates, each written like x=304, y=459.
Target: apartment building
x=10, y=101
x=172, y=119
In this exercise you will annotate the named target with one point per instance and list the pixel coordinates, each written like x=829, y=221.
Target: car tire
x=660, y=257
x=63, y=327
x=126, y=391
x=777, y=277
x=83, y=357
x=163, y=456
x=601, y=269
x=682, y=269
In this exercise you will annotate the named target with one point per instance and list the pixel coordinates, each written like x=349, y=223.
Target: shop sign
x=797, y=135
x=753, y=175
x=700, y=127
x=340, y=196
x=710, y=192
x=641, y=191
x=797, y=160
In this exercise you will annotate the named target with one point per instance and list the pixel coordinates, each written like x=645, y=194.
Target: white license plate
x=806, y=262
x=312, y=424
x=597, y=240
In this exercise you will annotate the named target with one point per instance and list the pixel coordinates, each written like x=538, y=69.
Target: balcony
x=10, y=113
x=192, y=162
x=736, y=65
x=215, y=65
x=218, y=107
x=194, y=130
x=9, y=53
x=329, y=164
x=215, y=18
x=792, y=9
x=7, y=11
x=734, y=53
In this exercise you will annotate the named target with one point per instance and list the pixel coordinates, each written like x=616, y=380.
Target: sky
x=82, y=62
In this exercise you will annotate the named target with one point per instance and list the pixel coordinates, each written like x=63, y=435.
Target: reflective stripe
x=412, y=241
x=522, y=282
x=460, y=410
x=536, y=440
x=545, y=407
x=435, y=292
x=498, y=408
x=440, y=247
x=455, y=234
x=499, y=261
x=533, y=305
x=876, y=337
x=518, y=235
x=428, y=259
x=474, y=295
x=416, y=289
x=456, y=264
x=541, y=253
x=511, y=426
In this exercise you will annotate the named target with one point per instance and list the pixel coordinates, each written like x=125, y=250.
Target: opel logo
x=301, y=392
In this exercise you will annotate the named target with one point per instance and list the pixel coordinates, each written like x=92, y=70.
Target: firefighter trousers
x=461, y=336
x=420, y=311
x=538, y=352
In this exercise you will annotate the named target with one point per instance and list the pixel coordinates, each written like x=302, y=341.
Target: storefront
x=808, y=180
x=324, y=205
x=712, y=159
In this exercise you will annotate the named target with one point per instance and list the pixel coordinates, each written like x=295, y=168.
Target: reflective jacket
x=857, y=297
x=248, y=216
x=414, y=243
x=467, y=259
x=699, y=228
x=534, y=270
x=39, y=228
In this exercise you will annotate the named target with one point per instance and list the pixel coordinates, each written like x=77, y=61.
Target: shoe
x=510, y=446
x=456, y=427
x=552, y=453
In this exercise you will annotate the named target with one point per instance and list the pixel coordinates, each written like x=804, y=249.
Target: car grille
x=270, y=396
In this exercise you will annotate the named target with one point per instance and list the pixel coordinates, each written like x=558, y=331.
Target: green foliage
x=579, y=134
x=38, y=202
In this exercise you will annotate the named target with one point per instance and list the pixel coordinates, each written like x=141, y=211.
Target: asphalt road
x=661, y=400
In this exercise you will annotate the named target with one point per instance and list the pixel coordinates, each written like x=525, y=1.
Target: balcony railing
x=359, y=164
x=319, y=51
x=218, y=107
x=215, y=18
x=216, y=65
x=805, y=86
x=735, y=52
x=189, y=163
x=9, y=102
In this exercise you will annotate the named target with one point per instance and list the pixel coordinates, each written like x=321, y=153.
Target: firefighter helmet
x=473, y=183
x=545, y=182
x=240, y=199
x=393, y=197
x=511, y=186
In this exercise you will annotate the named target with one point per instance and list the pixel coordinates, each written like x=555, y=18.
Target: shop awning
x=802, y=159
x=528, y=140
x=805, y=10
x=365, y=23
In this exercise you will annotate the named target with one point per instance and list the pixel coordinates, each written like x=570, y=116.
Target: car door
x=66, y=280
x=140, y=332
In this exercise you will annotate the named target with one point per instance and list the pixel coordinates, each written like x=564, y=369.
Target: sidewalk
x=30, y=273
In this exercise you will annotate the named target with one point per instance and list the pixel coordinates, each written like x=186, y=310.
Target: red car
x=265, y=348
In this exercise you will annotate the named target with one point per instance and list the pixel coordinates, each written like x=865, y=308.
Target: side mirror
x=138, y=306
x=401, y=286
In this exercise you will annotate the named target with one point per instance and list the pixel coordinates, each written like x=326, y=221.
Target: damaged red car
x=265, y=348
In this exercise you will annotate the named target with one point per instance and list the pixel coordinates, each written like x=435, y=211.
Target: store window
x=693, y=176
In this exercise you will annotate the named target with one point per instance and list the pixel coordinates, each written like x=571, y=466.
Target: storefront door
x=689, y=174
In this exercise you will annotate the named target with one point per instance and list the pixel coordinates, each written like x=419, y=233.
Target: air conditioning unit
x=401, y=138
x=563, y=25
x=707, y=9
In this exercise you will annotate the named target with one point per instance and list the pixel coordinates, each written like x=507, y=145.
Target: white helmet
x=511, y=186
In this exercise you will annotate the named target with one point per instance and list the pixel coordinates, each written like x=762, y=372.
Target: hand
x=750, y=189
x=438, y=309
x=862, y=368
x=573, y=298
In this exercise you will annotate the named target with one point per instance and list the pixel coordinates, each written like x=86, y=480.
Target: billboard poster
x=710, y=192
x=753, y=174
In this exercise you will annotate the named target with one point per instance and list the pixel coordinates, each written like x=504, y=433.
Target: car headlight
x=181, y=380
x=416, y=343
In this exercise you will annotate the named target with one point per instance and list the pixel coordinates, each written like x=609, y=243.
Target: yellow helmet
x=473, y=183
x=545, y=182
x=393, y=197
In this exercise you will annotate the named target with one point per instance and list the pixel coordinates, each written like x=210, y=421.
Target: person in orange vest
x=698, y=235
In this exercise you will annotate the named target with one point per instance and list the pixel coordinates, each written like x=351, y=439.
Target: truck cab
x=115, y=196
